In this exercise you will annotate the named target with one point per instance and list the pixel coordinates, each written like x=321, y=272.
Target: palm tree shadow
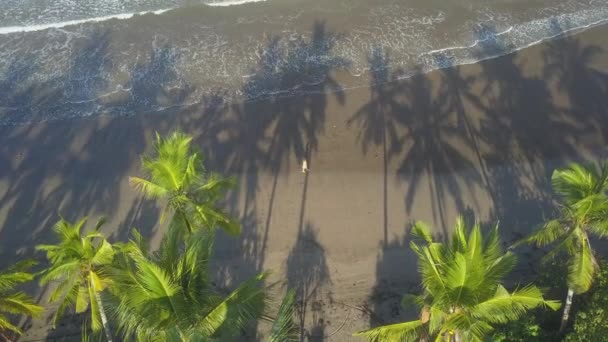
x=568, y=61
x=283, y=117
x=394, y=278
x=377, y=126
x=280, y=122
x=436, y=145
x=73, y=168
x=308, y=273
x=526, y=140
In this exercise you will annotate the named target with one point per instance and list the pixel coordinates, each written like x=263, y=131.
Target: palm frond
x=284, y=328
x=67, y=301
x=6, y=325
x=459, y=240
x=574, y=182
x=149, y=189
x=499, y=268
x=82, y=299
x=599, y=227
x=96, y=324
x=16, y=274
x=66, y=270
x=477, y=331
x=211, y=217
x=103, y=220
x=215, y=185
x=581, y=268
x=103, y=254
x=232, y=314
x=422, y=231
x=400, y=332
x=590, y=207
x=549, y=232
x=77, y=262
x=437, y=317
x=20, y=303
x=492, y=249
x=566, y=243
x=504, y=306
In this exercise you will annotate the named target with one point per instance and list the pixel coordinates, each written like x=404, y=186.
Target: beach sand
x=479, y=140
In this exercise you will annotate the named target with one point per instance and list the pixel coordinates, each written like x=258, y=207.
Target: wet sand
x=479, y=140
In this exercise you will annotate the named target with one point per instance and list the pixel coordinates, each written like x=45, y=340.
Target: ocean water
x=61, y=59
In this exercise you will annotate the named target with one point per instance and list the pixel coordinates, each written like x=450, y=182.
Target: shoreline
x=480, y=138
x=184, y=56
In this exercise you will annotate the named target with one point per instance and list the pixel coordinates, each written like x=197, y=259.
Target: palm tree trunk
x=269, y=214
x=566, y=313
x=104, y=318
x=385, y=189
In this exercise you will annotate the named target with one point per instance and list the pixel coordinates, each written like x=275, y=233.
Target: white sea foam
x=514, y=33
x=210, y=62
x=40, y=27
x=232, y=2
x=474, y=44
x=30, y=28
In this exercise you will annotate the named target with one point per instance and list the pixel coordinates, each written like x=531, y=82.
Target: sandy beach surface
x=479, y=140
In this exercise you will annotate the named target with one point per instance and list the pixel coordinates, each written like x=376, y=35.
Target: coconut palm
x=78, y=262
x=463, y=297
x=176, y=173
x=168, y=296
x=583, y=211
x=13, y=301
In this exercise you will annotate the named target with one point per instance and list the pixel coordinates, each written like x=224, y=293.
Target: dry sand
x=480, y=139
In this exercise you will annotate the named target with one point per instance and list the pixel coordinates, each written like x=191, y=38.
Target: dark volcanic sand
x=479, y=139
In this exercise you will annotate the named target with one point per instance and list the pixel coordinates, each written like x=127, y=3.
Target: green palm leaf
x=462, y=290
x=175, y=173
x=16, y=274
x=167, y=295
x=149, y=189
x=550, y=232
x=582, y=268
x=16, y=302
x=422, y=231
x=77, y=262
x=578, y=181
x=243, y=305
x=400, y=332
x=504, y=306
x=584, y=210
x=284, y=329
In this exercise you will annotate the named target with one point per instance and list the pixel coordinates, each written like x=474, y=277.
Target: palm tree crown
x=177, y=174
x=167, y=295
x=16, y=302
x=78, y=262
x=584, y=210
x=463, y=296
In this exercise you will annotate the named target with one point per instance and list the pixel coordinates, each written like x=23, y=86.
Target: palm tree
x=177, y=174
x=79, y=263
x=463, y=296
x=168, y=296
x=583, y=211
x=15, y=302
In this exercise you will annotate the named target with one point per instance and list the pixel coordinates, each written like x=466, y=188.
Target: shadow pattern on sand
x=500, y=129
x=446, y=137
